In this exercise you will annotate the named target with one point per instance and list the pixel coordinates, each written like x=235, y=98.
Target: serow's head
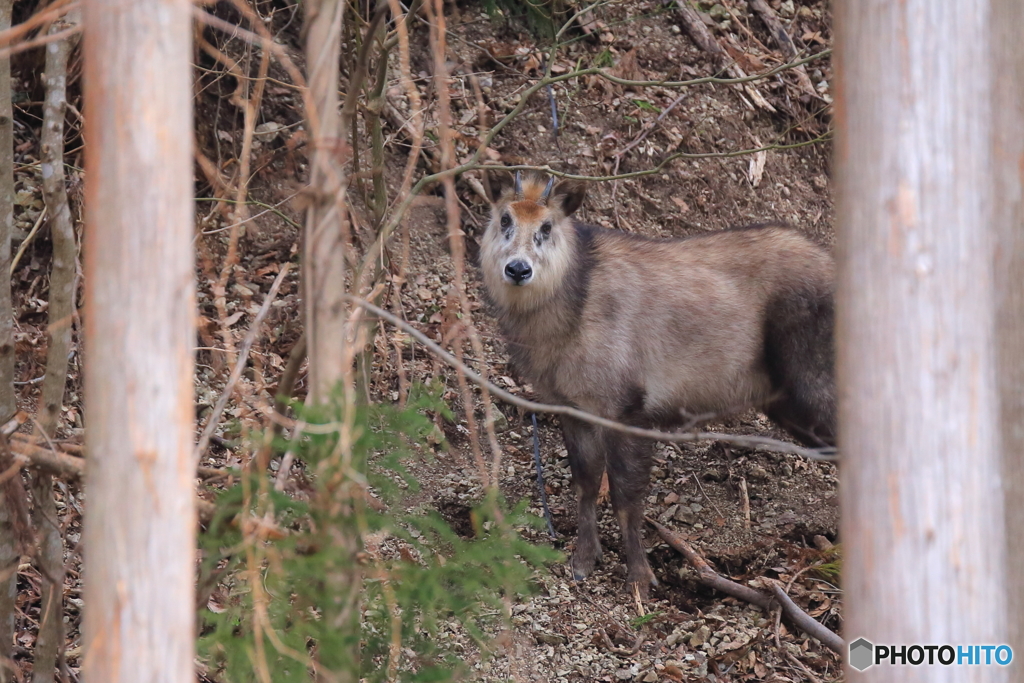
x=528, y=244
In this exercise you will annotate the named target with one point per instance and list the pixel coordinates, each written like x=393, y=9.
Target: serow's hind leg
x=800, y=356
x=586, y=450
x=629, y=472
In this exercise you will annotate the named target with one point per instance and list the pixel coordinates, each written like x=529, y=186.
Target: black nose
x=518, y=271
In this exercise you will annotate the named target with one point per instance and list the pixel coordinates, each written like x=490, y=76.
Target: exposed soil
x=586, y=631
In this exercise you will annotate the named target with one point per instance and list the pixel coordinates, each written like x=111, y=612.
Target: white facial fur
x=534, y=233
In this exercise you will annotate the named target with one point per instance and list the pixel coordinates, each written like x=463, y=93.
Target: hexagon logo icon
x=861, y=654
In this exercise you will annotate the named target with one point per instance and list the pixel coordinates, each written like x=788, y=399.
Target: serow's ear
x=496, y=184
x=568, y=195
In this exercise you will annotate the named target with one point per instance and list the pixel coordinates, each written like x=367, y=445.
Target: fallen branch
x=705, y=41
x=709, y=577
x=785, y=43
x=804, y=621
x=767, y=443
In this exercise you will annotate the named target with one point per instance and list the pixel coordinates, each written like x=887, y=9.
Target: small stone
x=651, y=677
x=671, y=498
x=548, y=638
x=268, y=131
x=668, y=514
x=700, y=636
x=787, y=9
x=685, y=515
x=623, y=674
x=758, y=473
x=713, y=474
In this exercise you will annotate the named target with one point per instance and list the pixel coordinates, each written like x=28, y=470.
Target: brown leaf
x=683, y=206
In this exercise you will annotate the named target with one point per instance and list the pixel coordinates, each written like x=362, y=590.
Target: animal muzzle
x=518, y=272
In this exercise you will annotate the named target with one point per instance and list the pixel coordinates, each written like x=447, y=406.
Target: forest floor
x=592, y=630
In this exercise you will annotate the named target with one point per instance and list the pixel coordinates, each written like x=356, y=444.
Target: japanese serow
x=651, y=331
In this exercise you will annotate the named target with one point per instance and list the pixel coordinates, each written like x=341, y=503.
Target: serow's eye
x=506, y=221
x=545, y=229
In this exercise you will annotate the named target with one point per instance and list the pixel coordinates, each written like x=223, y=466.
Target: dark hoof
x=582, y=564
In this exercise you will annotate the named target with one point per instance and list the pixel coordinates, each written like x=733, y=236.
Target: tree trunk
x=324, y=243
x=139, y=338
x=330, y=361
x=923, y=516
x=1008, y=153
x=8, y=399
x=59, y=313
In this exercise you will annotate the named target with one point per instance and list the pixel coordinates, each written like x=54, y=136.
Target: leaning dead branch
x=766, y=443
x=700, y=34
x=236, y=372
x=785, y=43
x=709, y=577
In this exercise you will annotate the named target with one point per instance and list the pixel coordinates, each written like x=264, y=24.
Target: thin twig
x=25, y=242
x=773, y=445
x=236, y=372
x=50, y=13
x=40, y=41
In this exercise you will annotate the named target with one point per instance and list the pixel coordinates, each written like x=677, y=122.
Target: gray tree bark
x=60, y=310
x=1008, y=207
x=139, y=338
x=923, y=513
x=323, y=275
x=8, y=399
